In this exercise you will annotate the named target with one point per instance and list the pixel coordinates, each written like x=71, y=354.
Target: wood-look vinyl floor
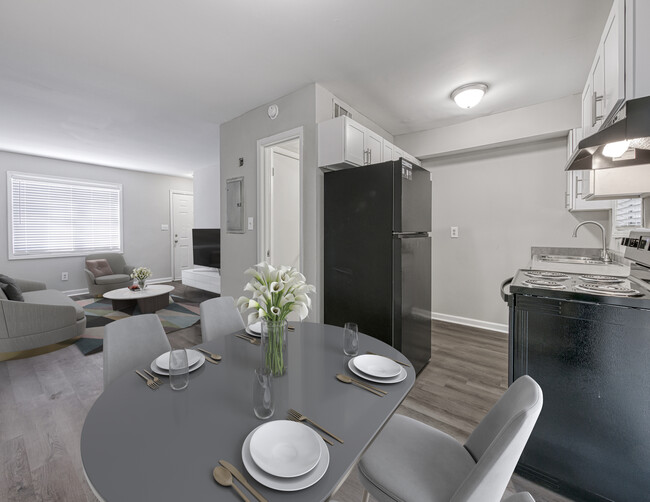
x=44, y=400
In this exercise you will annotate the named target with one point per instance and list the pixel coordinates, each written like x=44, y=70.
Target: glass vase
x=274, y=346
x=142, y=284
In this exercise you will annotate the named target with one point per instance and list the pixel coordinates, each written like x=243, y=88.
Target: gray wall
x=207, y=198
x=239, y=139
x=504, y=201
x=145, y=209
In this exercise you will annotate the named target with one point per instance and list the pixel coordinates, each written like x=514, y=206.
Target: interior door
x=182, y=223
x=285, y=210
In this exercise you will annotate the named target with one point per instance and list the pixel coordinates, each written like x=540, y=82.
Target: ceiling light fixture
x=470, y=95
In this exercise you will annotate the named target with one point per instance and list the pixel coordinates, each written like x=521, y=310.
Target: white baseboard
x=160, y=280
x=475, y=323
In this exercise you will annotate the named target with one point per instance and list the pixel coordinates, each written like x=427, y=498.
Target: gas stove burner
x=542, y=283
x=607, y=289
x=545, y=274
x=602, y=279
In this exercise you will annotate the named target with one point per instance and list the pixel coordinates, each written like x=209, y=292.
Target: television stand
x=205, y=278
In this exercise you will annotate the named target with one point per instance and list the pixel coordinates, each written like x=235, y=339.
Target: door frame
x=171, y=227
x=264, y=186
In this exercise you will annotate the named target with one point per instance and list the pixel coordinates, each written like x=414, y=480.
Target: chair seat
x=412, y=462
x=112, y=279
x=54, y=297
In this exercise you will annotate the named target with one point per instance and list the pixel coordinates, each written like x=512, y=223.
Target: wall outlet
x=251, y=225
x=64, y=276
x=454, y=232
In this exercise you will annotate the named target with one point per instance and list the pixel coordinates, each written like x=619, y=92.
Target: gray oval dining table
x=143, y=445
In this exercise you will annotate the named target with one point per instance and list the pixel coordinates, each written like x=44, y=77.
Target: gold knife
x=239, y=477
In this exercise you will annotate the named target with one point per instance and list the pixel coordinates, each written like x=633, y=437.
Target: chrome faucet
x=604, y=254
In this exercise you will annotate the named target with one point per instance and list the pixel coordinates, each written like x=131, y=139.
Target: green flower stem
x=274, y=355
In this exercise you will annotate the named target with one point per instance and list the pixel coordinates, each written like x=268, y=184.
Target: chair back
x=219, y=317
x=131, y=343
x=498, y=441
x=115, y=260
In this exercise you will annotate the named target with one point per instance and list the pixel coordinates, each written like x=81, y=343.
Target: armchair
x=120, y=278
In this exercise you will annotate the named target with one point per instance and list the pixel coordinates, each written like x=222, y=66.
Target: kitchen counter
x=618, y=268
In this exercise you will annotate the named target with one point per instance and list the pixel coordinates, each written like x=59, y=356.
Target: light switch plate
x=251, y=223
x=164, y=228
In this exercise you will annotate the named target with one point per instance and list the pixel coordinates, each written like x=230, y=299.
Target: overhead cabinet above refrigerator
x=344, y=143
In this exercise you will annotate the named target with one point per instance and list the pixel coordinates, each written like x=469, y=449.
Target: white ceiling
x=144, y=84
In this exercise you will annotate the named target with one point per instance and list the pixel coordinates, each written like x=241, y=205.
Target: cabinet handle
x=594, y=117
x=366, y=157
x=578, y=193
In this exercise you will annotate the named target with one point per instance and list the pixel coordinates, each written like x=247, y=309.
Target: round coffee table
x=150, y=299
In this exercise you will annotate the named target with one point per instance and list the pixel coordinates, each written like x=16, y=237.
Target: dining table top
x=143, y=445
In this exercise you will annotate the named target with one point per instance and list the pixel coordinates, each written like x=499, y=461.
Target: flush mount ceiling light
x=470, y=95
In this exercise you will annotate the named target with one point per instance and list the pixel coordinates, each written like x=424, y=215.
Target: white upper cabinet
x=605, y=87
x=343, y=143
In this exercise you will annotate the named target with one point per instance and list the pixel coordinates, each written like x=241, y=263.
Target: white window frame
x=64, y=180
x=618, y=232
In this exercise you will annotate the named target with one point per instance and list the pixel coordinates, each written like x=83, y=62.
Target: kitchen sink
x=580, y=260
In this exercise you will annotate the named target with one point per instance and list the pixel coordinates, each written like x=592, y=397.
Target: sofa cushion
x=11, y=289
x=112, y=279
x=53, y=297
x=99, y=267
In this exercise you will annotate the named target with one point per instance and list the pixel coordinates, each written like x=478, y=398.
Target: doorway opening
x=280, y=199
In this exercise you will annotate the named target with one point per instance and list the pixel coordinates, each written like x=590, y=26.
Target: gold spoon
x=224, y=478
x=347, y=379
x=216, y=357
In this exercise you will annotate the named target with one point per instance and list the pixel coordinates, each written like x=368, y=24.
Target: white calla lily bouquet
x=275, y=293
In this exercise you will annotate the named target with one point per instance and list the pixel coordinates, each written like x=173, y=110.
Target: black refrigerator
x=377, y=254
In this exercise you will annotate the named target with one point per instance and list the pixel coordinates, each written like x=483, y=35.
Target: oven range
x=586, y=340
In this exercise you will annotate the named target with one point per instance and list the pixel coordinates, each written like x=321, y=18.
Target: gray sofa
x=46, y=316
x=121, y=277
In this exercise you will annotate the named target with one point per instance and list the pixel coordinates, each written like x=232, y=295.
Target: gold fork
x=150, y=383
x=302, y=418
x=156, y=380
x=294, y=419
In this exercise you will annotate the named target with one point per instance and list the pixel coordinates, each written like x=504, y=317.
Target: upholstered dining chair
x=219, y=317
x=520, y=497
x=131, y=343
x=410, y=461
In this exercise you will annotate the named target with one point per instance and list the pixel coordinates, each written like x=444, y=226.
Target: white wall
x=145, y=209
x=504, y=201
x=207, y=206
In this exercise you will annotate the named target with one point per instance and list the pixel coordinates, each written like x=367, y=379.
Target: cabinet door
x=397, y=153
x=354, y=143
x=388, y=151
x=613, y=55
x=581, y=187
x=598, y=94
x=374, y=147
x=587, y=97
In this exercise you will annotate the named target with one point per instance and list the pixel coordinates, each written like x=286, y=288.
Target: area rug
x=179, y=314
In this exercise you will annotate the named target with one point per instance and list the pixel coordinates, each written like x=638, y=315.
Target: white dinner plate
x=361, y=374
x=377, y=366
x=193, y=356
x=160, y=371
x=285, y=449
x=255, y=329
x=285, y=484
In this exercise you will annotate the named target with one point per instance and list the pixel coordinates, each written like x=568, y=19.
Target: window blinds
x=56, y=216
x=629, y=213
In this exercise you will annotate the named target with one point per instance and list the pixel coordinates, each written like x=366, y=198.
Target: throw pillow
x=100, y=267
x=11, y=289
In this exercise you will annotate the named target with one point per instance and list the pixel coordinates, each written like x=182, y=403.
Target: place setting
x=370, y=367
x=176, y=364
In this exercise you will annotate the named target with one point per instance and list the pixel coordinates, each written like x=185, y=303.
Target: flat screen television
x=207, y=247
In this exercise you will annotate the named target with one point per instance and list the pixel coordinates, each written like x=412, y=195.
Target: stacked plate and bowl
x=285, y=455
x=377, y=369
x=160, y=365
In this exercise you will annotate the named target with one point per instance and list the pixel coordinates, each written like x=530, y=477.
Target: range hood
x=631, y=124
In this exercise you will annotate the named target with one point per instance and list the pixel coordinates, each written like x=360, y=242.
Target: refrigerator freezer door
x=412, y=198
x=412, y=298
